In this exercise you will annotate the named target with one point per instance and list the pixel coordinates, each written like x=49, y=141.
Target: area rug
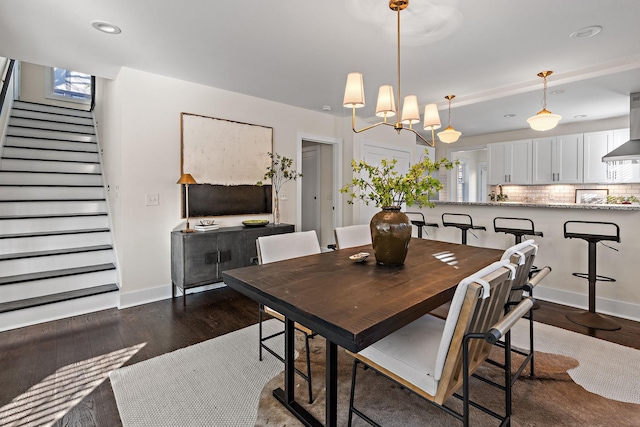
x=552, y=398
x=213, y=383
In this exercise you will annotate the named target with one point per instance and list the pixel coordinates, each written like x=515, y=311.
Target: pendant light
x=386, y=107
x=544, y=120
x=449, y=135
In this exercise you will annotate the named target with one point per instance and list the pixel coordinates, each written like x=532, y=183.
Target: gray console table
x=199, y=258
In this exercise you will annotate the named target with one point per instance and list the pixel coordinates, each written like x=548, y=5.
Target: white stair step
x=48, y=166
x=15, y=267
x=51, y=193
x=37, y=225
x=43, y=208
x=42, y=154
x=58, y=310
x=44, y=178
x=49, y=125
x=51, y=144
x=50, y=134
x=51, y=117
x=36, y=288
x=46, y=243
x=51, y=109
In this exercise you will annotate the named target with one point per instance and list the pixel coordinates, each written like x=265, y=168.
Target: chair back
x=279, y=247
x=477, y=304
x=522, y=255
x=353, y=235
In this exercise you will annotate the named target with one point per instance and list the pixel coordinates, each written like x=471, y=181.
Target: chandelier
x=544, y=120
x=386, y=105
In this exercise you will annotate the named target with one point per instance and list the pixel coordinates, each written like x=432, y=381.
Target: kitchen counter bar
x=564, y=256
x=545, y=205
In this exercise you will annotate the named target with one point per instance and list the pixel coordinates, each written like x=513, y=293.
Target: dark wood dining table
x=353, y=305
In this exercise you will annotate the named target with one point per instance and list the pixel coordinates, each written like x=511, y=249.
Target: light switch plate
x=152, y=199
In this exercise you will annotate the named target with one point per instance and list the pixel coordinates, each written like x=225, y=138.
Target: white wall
x=140, y=136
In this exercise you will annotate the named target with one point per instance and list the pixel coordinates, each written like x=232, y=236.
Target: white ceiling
x=300, y=52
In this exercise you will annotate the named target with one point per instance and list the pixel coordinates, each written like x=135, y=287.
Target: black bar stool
x=590, y=318
x=463, y=226
x=421, y=223
x=517, y=226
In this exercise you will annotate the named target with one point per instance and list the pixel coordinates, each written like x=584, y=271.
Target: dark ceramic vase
x=390, y=235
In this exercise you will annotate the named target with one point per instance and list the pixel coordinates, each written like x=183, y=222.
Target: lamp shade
x=431, y=117
x=410, y=112
x=354, y=91
x=186, y=178
x=386, y=106
x=449, y=135
x=544, y=120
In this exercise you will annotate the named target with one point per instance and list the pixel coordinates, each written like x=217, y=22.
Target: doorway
x=468, y=181
x=318, y=193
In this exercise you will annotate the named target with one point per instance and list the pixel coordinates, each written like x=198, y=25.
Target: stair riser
x=51, y=117
x=53, y=262
x=41, y=208
x=46, y=243
x=36, y=225
x=50, y=134
x=51, y=109
x=40, y=166
x=49, y=193
x=38, y=124
x=39, y=154
x=27, y=178
x=51, y=144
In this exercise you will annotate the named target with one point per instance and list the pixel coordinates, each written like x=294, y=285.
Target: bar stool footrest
x=598, y=277
x=594, y=321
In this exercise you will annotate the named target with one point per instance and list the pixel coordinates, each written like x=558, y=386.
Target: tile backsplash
x=561, y=193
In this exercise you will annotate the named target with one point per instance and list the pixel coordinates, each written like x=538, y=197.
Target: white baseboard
x=145, y=296
x=621, y=309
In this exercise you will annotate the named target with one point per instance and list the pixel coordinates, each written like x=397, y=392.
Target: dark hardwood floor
x=28, y=356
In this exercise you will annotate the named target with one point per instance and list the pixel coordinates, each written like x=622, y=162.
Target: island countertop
x=545, y=205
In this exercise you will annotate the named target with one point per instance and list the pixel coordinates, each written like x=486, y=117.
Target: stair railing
x=6, y=81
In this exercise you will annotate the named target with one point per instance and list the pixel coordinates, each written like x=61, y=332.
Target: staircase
x=56, y=253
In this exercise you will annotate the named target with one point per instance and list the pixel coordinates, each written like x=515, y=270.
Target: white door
x=482, y=182
x=519, y=162
x=596, y=145
x=373, y=155
x=543, y=156
x=311, y=189
x=497, y=160
x=569, y=159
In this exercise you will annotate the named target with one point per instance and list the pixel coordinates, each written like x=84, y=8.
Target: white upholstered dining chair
x=434, y=357
x=352, y=235
x=280, y=247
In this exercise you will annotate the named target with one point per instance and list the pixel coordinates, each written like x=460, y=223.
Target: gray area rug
x=213, y=383
x=552, y=398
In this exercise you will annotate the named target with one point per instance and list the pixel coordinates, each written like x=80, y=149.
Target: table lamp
x=187, y=180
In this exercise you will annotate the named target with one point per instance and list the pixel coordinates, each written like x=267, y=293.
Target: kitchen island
x=564, y=256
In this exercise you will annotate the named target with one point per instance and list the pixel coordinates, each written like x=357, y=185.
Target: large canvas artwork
x=227, y=159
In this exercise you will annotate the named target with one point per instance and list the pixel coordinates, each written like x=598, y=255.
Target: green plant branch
x=279, y=172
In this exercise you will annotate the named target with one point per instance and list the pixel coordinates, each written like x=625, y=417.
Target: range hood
x=630, y=150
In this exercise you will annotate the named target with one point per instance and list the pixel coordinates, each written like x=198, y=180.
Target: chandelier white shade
x=449, y=135
x=386, y=106
x=431, y=117
x=354, y=91
x=544, y=120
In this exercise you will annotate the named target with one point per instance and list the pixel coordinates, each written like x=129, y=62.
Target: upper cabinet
x=596, y=145
x=509, y=162
x=558, y=160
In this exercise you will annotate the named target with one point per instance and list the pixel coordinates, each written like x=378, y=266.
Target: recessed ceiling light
x=105, y=27
x=579, y=116
x=508, y=116
x=586, y=32
x=326, y=108
x=557, y=92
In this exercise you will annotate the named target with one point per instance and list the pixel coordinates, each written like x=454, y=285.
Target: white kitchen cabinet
x=596, y=145
x=557, y=160
x=509, y=162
